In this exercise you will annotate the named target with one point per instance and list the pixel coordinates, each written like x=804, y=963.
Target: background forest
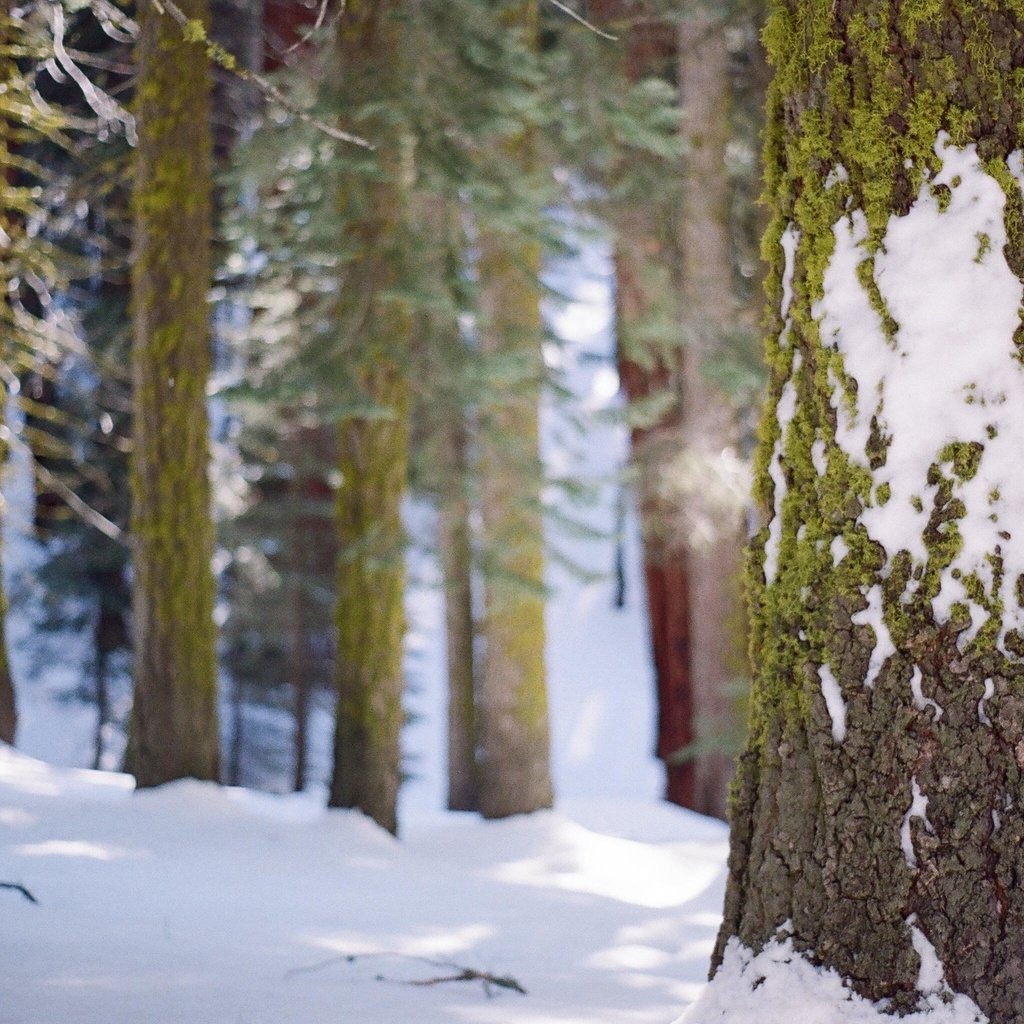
x=297, y=337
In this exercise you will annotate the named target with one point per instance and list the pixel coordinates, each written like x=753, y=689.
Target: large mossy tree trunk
x=377, y=323
x=878, y=812
x=174, y=729
x=512, y=711
x=706, y=474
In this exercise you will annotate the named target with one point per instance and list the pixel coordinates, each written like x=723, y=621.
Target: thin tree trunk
x=373, y=451
x=298, y=559
x=9, y=227
x=878, y=825
x=102, y=704
x=457, y=566
x=713, y=512
x=174, y=729
x=370, y=613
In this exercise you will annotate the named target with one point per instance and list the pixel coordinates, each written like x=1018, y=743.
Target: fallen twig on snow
x=488, y=980
x=17, y=887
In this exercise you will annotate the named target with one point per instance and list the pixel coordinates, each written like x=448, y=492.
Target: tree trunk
x=373, y=451
x=707, y=475
x=515, y=776
x=457, y=566
x=878, y=818
x=9, y=230
x=174, y=729
x=645, y=374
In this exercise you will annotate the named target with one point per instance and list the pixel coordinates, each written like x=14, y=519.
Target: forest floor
x=198, y=904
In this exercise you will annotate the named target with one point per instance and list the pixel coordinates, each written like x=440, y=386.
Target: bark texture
x=456, y=553
x=174, y=728
x=377, y=324
x=8, y=230
x=706, y=472
x=827, y=833
x=515, y=776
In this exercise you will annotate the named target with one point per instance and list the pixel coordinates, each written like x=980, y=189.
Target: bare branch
x=566, y=9
x=488, y=980
x=194, y=31
x=106, y=109
x=81, y=508
x=19, y=888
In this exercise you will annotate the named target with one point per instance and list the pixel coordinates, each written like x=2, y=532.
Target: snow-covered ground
x=216, y=906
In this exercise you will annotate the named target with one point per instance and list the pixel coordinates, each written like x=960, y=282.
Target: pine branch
x=566, y=9
x=194, y=31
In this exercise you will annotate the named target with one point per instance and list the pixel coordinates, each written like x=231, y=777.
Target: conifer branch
x=566, y=9
x=194, y=31
x=81, y=508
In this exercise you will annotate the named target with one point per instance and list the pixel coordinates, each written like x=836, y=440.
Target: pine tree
x=877, y=819
x=512, y=707
x=708, y=472
x=174, y=729
x=376, y=321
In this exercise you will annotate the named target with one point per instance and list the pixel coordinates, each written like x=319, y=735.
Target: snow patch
x=839, y=549
x=918, y=809
x=785, y=411
x=884, y=648
x=780, y=985
x=920, y=700
x=789, y=241
x=834, y=702
x=948, y=376
x=990, y=689
x=931, y=976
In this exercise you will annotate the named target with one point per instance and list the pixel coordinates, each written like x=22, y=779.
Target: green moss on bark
x=174, y=728
x=862, y=91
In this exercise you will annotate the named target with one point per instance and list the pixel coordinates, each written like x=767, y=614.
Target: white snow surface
x=780, y=986
x=197, y=904
x=949, y=375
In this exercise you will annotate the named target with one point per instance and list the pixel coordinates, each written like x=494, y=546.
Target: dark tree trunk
x=879, y=806
x=174, y=729
x=373, y=451
x=457, y=565
x=9, y=226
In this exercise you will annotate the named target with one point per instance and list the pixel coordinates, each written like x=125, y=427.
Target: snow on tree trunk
x=878, y=824
x=376, y=323
x=174, y=727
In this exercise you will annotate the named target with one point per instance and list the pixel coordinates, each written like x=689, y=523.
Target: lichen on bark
x=174, y=730
x=870, y=101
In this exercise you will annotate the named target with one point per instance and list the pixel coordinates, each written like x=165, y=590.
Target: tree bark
x=174, y=729
x=877, y=812
x=9, y=230
x=456, y=555
x=712, y=507
x=515, y=775
x=373, y=451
